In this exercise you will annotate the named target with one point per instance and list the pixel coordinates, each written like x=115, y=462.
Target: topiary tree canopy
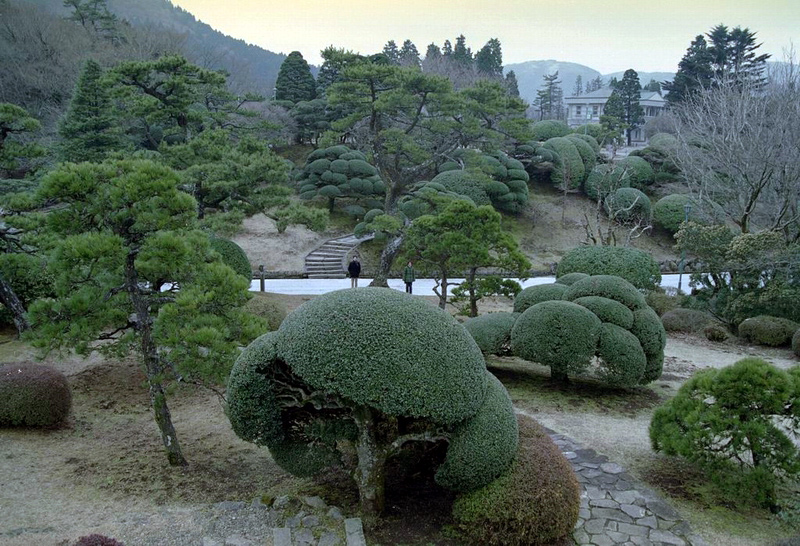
x=569, y=171
x=599, y=316
x=628, y=206
x=637, y=170
x=374, y=369
x=492, y=331
x=295, y=82
x=339, y=172
x=635, y=266
x=602, y=181
x=466, y=183
x=669, y=212
x=537, y=294
x=549, y=128
x=233, y=256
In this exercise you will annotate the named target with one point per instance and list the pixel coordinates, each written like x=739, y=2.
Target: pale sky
x=607, y=35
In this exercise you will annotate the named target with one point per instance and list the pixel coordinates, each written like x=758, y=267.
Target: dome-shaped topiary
x=669, y=211
x=233, y=256
x=464, y=183
x=629, y=205
x=549, y=128
x=588, y=155
x=492, y=332
x=589, y=139
x=608, y=310
x=570, y=278
x=33, y=396
x=622, y=360
x=268, y=307
x=559, y=334
x=602, y=181
x=338, y=171
x=637, y=170
x=685, y=320
x=767, y=330
x=634, y=265
x=607, y=286
x=536, y=502
x=652, y=336
x=716, y=332
x=537, y=294
x=663, y=142
x=569, y=170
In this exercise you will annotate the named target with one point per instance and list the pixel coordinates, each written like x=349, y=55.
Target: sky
x=607, y=35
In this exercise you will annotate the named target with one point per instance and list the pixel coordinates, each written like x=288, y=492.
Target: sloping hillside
x=529, y=75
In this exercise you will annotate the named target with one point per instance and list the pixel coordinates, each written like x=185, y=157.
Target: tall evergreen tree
x=613, y=116
x=595, y=84
x=550, y=98
x=391, y=52
x=295, y=82
x=630, y=91
x=88, y=130
x=447, y=48
x=461, y=53
x=577, y=89
x=409, y=55
x=511, y=84
x=334, y=60
x=489, y=60
x=694, y=72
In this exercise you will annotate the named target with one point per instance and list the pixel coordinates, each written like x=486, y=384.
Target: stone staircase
x=328, y=260
x=354, y=536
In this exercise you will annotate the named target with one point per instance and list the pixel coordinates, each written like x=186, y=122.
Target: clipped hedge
x=589, y=139
x=464, y=183
x=767, y=330
x=492, y=332
x=338, y=171
x=715, y=332
x=233, y=256
x=559, y=334
x=383, y=337
x=571, y=278
x=588, y=155
x=622, y=360
x=607, y=310
x=608, y=286
x=537, y=294
x=568, y=167
x=33, y=396
x=483, y=447
x=669, y=211
x=637, y=171
x=549, y=128
x=685, y=320
x=264, y=305
x=602, y=181
x=629, y=205
x=536, y=502
x=634, y=265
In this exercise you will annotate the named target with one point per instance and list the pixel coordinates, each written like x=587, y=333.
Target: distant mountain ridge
x=530, y=73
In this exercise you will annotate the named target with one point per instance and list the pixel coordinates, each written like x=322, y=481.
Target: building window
x=595, y=111
x=577, y=111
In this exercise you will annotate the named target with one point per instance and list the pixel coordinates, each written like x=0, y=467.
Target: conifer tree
x=577, y=89
x=89, y=131
x=461, y=53
x=489, y=60
x=511, y=84
x=409, y=56
x=295, y=82
x=694, y=72
x=630, y=92
x=549, y=98
x=391, y=52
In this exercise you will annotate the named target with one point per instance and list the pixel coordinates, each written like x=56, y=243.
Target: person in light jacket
x=354, y=270
x=408, y=277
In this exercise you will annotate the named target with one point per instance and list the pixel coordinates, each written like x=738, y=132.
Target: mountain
x=529, y=75
x=251, y=68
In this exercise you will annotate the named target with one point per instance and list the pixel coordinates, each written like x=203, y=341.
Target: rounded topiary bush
x=537, y=294
x=629, y=205
x=652, y=336
x=492, y=332
x=588, y=155
x=796, y=343
x=661, y=302
x=33, y=395
x=233, y=256
x=607, y=286
x=559, y=334
x=685, y=320
x=607, y=310
x=634, y=265
x=669, y=211
x=715, y=332
x=536, y=502
x=602, y=181
x=549, y=128
x=622, y=360
x=464, y=183
x=637, y=170
x=266, y=306
x=569, y=169
x=570, y=278
x=767, y=330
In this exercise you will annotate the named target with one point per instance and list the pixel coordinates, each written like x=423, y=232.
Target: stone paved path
x=615, y=509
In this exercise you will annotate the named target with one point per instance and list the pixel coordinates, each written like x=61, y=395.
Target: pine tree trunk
x=388, y=255
x=9, y=298
x=370, y=473
x=152, y=364
x=473, y=300
x=443, y=294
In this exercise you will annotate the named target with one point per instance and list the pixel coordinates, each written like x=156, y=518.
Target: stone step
x=354, y=532
x=327, y=254
x=326, y=275
x=281, y=536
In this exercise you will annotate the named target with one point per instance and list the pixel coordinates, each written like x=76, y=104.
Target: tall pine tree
x=577, y=89
x=630, y=91
x=409, y=55
x=489, y=60
x=549, y=98
x=295, y=82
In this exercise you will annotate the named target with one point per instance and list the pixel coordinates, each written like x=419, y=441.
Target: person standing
x=354, y=269
x=408, y=277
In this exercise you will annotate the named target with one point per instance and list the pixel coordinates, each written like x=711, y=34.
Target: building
x=589, y=107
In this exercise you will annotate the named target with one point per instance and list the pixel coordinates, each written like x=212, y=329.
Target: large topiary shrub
x=766, y=330
x=492, y=332
x=685, y=320
x=338, y=171
x=629, y=206
x=233, y=256
x=32, y=395
x=466, y=183
x=587, y=153
x=602, y=181
x=589, y=139
x=266, y=306
x=570, y=278
x=374, y=368
x=568, y=171
x=536, y=502
x=608, y=286
x=725, y=420
x=637, y=171
x=549, y=128
x=635, y=266
x=608, y=310
x=669, y=211
x=537, y=294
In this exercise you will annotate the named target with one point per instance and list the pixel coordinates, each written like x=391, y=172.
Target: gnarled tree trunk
x=388, y=255
x=370, y=471
x=9, y=298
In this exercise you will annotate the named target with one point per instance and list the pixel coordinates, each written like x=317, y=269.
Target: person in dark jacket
x=354, y=269
x=408, y=277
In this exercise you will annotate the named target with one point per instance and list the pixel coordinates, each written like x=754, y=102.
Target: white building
x=589, y=107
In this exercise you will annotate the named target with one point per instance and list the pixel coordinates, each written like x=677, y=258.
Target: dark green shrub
x=725, y=420
x=766, y=330
x=796, y=343
x=629, y=205
x=588, y=155
x=637, y=170
x=634, y=265
x=685, y=320
x=97, y=540
x=568, y=169
x=602, y=181
x=570, y=278
x=607, y=286
x=559, y=334
x=650, y=332
x=715, y=332
x=266, y=306
x=661, y=302
x=33, y=395
x=607, y=310
x=29, y=278
x=537, y=294
x=536, y=502
x=663, y=142
x=549, y=128
x=622, y=360
x=669, y=213
x=483, y=447
x=464, y=183
x=338, y=171
x=589, y=139
x=233, y=256
x=492, y=332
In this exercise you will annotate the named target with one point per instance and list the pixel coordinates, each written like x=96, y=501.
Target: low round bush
x=669, y=211
x=536, y=502
x=602, y=181
x=492, y=332
x=622, y=360
x=767, y=330
x=634, y=265
x=607, y=286
x=629, y=205
x=33, y=395
x=607, y=310
x=559, y=334
x=661, y=302
x=685, y=320
x=715, y=332
x=464, y=183
x=796, y=343
x=725, y=420
x=549, y=128
x=637, y=170
x=570, y=278
x=266, y=306
x=233, y=256
x=537, y=294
